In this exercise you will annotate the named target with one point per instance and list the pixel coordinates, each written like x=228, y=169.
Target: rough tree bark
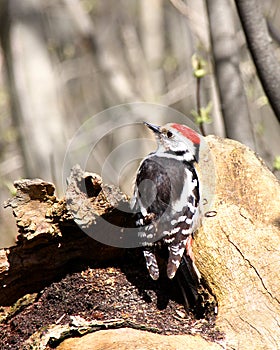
x=261, y=48
x=237, y=250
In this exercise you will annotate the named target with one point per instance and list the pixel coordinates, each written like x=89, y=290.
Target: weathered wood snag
x=49, y=239
x=237, y=249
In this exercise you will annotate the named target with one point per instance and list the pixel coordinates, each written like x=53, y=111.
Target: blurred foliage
x=276, y=163
x=203, y=117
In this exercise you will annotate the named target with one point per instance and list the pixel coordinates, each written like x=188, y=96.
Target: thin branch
x=198, y=104
x=196, y=20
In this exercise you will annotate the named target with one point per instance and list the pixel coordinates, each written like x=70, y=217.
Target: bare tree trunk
x=16, y=112
x=260, y=46
x=226, y=61
x=33, y=87
x=152, y=32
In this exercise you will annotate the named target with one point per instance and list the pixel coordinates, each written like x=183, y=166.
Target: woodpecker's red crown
x=187, y=132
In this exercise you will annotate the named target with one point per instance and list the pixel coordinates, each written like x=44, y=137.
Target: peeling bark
x=49, y=239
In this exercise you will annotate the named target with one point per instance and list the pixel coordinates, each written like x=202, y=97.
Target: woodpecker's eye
x=169, y=134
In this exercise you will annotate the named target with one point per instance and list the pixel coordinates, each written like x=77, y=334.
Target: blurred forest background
x=63, y=61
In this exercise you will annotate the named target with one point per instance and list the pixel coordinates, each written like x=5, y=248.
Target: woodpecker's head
x=177, y=139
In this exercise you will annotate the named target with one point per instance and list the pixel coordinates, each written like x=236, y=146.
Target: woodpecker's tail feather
x=188, y=278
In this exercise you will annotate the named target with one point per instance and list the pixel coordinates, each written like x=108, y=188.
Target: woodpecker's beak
x=154, y=128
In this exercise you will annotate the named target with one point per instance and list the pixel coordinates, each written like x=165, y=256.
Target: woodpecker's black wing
x=159, y=183
x=167, y=199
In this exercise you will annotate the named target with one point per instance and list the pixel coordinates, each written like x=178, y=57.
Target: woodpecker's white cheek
x=166, y=145
x=161, y=146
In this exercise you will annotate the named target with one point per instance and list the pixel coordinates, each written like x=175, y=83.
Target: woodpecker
x=167, y=197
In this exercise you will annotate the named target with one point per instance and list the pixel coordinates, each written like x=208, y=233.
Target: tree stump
x=237, y=248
